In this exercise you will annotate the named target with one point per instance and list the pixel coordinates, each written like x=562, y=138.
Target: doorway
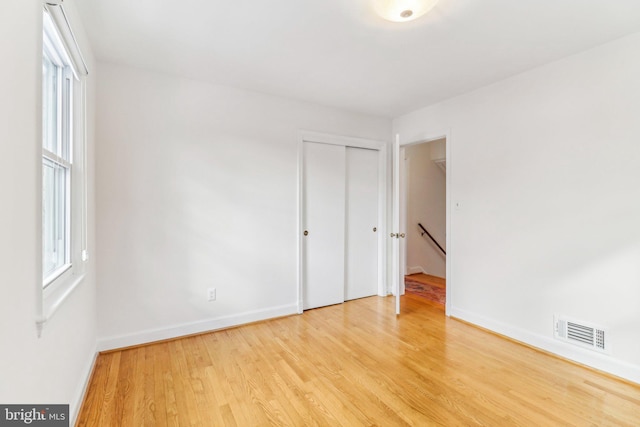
x=424, y=217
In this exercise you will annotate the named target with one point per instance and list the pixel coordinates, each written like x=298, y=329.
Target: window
x=57, y=112
x=63, y=161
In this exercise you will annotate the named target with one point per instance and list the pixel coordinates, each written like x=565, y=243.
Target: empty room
x=339, y=212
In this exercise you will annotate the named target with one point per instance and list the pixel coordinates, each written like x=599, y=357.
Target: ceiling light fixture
x=403, y=10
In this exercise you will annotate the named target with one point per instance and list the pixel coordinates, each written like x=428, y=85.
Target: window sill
x=55, y=275
x=54, y=296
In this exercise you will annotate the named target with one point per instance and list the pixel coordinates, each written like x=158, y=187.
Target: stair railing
x=424, y=231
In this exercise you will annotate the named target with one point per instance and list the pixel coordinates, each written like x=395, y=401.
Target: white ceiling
x=338, y=53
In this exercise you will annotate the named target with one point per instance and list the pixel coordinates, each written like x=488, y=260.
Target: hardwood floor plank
x=157, y=362
x=140, y=409
x=103, y=386
x=348, y=365
x=123, y=400
x=186, y=389
x=171, y=405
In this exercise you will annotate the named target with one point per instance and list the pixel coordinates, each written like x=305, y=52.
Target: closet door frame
x=381, y=147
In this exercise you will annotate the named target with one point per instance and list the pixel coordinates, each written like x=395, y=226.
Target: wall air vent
x=583, y=334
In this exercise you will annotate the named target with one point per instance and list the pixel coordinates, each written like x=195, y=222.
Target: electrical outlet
x=211, y=294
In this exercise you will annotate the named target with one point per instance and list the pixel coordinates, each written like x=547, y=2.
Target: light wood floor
x=350, y=365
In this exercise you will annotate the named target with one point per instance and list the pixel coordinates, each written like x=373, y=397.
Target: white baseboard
x=601, y=362
x=151, y=335
x=415, y=270
x=74, y=407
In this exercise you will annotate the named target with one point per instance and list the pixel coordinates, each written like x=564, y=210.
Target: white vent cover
x=583, y=334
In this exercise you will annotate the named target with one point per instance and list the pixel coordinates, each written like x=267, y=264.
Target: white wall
x=546, y=168
x=197, y=189
x=426, y=204
x=54, y=367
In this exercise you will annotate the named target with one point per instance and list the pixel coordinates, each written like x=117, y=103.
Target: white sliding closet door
x=323, y=222
x=361, y=223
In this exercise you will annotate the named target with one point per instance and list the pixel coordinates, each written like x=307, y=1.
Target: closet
x=340, y=203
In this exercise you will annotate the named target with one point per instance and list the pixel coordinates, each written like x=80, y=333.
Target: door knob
x=306, y=232
x=402, y=235
x=393, y=235
x=375, y=229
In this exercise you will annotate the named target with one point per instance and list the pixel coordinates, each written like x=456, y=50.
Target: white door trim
x=449, y=215
x=380, y=146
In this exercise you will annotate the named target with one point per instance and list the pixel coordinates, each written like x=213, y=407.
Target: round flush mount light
x=403, y=10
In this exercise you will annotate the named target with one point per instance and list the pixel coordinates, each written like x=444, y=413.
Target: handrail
x=424, y=230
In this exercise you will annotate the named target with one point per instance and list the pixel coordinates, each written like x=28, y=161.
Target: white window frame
x=59, y=43
x=62, y=158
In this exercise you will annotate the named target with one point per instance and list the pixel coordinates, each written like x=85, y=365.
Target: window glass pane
x=54, y=216
x=65, y=142
x=50, y=76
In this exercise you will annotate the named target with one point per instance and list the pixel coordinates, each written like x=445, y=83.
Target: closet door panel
x=361, y=223
x=324, y=224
